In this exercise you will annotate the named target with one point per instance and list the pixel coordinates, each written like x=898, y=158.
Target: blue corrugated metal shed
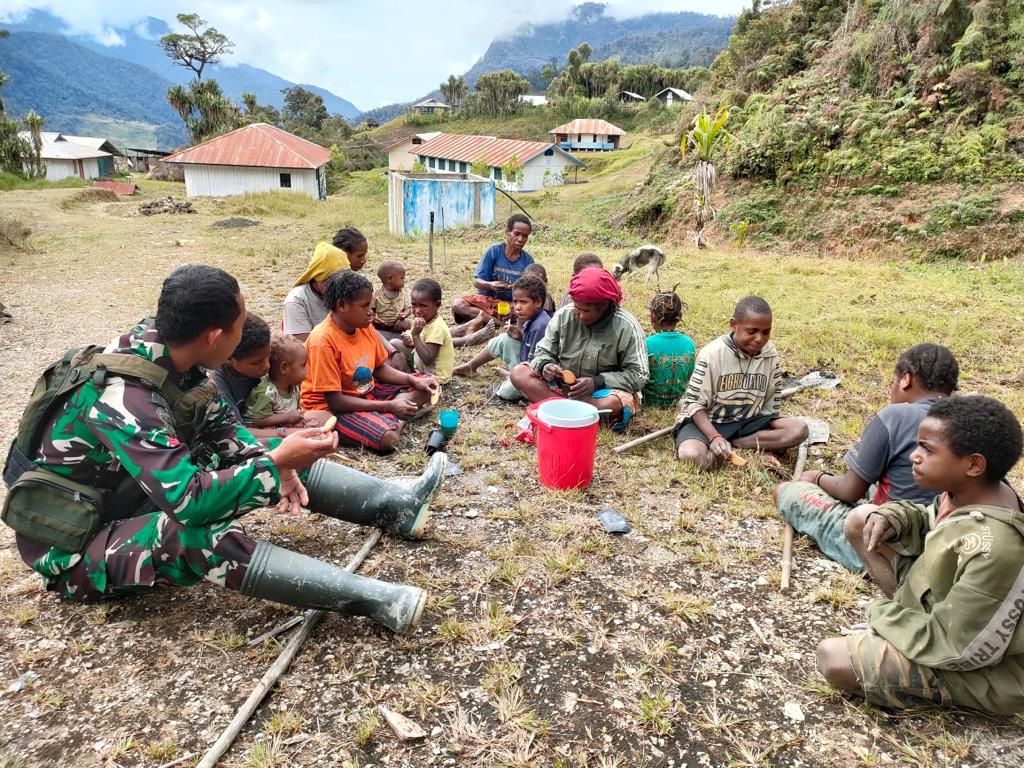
x=456, y=199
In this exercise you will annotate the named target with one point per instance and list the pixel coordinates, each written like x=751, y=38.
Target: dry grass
x=529, y=602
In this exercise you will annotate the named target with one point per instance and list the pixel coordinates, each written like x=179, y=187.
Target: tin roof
x=257, y=145
x=632, y=95
x=424, y=136
x=597, y=127
x=57, y=147
x=431, y=103
x=677, y=91
x=95, y=142
x=494, y=151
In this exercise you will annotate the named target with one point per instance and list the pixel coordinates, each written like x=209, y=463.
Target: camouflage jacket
x=125, y=427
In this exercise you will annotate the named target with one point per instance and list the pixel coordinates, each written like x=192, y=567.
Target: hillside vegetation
x=909, y=115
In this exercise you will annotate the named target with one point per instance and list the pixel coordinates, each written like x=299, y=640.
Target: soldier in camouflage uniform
x=195, y=487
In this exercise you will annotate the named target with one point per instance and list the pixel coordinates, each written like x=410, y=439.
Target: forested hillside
x=868, y=100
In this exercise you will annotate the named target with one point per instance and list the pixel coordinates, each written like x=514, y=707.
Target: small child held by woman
x=274, y=402
x=391, y=305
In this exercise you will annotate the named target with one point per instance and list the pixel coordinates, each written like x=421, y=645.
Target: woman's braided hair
x=666, y=306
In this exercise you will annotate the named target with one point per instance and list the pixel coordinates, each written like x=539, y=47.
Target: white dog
x=650, y=256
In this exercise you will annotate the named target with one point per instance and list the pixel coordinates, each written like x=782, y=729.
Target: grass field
x=546, y=642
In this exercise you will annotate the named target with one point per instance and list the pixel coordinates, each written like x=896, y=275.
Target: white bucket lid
x=570, y=414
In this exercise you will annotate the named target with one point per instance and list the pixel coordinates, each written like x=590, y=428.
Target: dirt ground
x=546, y=641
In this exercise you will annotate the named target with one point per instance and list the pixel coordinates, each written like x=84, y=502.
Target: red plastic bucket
x=566, y=441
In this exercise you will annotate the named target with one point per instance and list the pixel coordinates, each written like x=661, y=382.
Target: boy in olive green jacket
x=949, y=630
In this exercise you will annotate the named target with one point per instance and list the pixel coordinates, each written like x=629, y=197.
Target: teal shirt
x=670, y=356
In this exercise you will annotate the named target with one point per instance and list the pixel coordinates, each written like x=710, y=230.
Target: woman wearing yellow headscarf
x=303, y=306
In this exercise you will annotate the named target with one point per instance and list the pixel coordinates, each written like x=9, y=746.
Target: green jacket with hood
x=959, y=606
x=612, y=351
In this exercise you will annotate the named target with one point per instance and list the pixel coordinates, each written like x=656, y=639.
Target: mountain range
x=81, y=85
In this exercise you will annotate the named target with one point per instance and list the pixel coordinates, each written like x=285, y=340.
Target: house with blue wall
x=587, y=135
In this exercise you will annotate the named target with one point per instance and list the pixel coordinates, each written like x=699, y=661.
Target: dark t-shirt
x=234, y=388
x=494, y=265
x=882, y=455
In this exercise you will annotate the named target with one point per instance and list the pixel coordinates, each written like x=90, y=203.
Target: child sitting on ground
x=429, y=340
x=592, y=351
x=274, y=402
x=734, y=397
x=247, y=365
x=951, y=634
x=349, y=374
x=531, y=322
x=669, y=353
x=581, y=262
x=391, y=306
x=819, y=504
x=538, y=270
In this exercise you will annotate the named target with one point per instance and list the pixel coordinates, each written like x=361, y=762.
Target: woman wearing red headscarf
x=593, y=351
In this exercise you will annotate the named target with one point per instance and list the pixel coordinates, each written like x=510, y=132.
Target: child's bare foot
x=466, y=370
x=482, y=335
x=503, y=372
x=477, y=322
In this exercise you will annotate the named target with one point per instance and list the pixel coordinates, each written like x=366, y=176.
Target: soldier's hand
x=293, y=493
x=300, y=449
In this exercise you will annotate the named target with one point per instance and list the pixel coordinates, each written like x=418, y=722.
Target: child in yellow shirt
x=429, y=340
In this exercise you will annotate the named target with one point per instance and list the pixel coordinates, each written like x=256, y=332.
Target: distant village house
x=628, y=97
x=256, y=158
x=543, y=164
x=400, y=157
x=587, y=134
x=534, y=99
x=430, y=107
x=670, y=96
x=86, y=157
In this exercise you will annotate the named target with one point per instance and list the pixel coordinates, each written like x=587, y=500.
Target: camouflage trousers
x=131, y=555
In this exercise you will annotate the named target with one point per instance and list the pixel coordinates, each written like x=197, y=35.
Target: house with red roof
x=587, y=134
x=255, y=158
x=539, y=164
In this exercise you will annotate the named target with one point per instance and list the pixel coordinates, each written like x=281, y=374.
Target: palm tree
x=181, y=102
x=708, y=139
x=35, y=121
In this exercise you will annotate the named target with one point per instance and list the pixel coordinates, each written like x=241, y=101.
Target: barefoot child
x=951, y=634
x=819, y=504
x=733, y=398
x=519, y=343
x=669, y=353
x=391, y=306
x=596, y=341
x=429, y=339
x=274, y=402
x=349, y=373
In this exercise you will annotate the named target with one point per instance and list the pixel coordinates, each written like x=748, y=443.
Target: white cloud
x=368, y=51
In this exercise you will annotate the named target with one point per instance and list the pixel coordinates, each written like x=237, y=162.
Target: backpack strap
x=139, y=368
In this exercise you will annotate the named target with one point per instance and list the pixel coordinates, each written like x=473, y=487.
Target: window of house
x=549, y=152
x=286, y=181
x=451, y=166
x=463, y=168
x=497, y=174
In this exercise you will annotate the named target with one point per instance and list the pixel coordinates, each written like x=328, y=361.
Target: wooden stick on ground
x=645, y=439
x=787, y=540
x=271, y=676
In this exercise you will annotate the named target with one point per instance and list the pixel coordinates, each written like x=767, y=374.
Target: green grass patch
x=10, y=182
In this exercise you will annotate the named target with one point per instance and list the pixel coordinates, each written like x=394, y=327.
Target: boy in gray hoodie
x=734, y=396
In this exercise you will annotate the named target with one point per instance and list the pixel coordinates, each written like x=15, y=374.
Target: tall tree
x=35, y=121
x=453, y=91
x=201, y=46
x=499, y=92
x=204, y=109
x=304, y=111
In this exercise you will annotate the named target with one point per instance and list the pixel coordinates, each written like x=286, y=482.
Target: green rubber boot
x=356, y=497
x=287, y=577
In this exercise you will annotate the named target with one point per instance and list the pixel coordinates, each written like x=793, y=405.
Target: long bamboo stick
x=284, y=659
x=787, y=539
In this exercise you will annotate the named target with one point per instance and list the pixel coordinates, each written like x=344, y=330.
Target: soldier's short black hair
x=933, y=365
x=348, y=239
x=427, y=286
x=978, y=424
x=195, y=298
x=344, y=286
x=751, y=305
x=255, y=336
x=532, y=286
x=518, y=218
x=586, y=260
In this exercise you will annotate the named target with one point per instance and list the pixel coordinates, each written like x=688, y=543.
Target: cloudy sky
x=371, y=52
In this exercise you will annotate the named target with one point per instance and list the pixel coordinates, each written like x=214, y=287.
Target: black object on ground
x=612, y=521
x=436, y=442
x=235, y=223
